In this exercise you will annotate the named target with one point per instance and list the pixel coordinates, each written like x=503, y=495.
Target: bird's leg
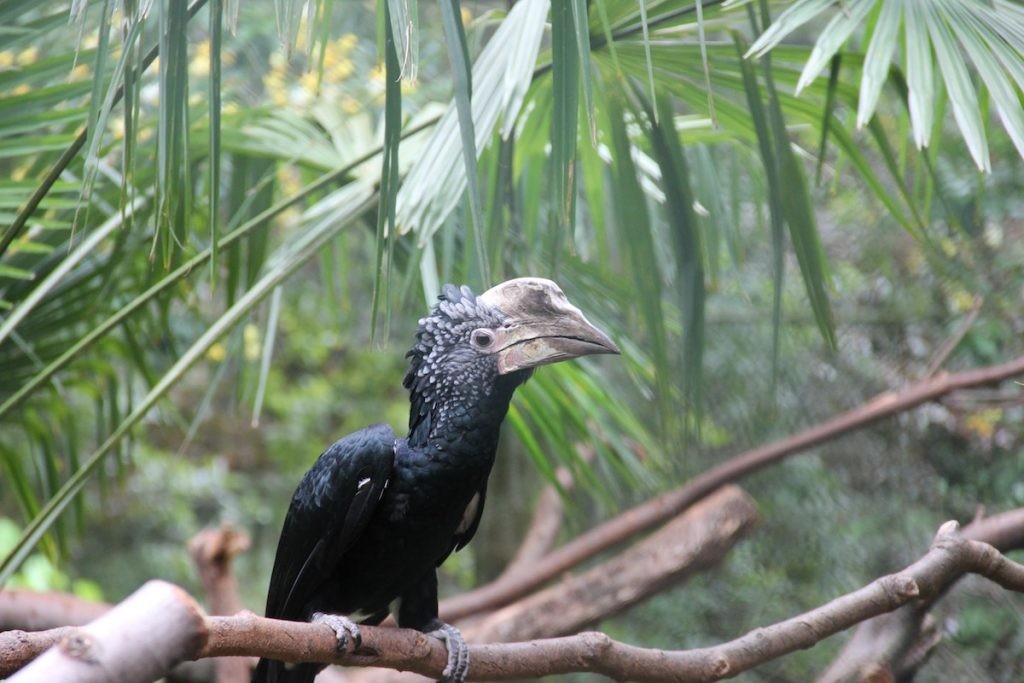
x=418, y=609
x=344, y=629
x=458, y=651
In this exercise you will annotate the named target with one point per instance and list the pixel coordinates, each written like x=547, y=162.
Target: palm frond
x=946, y=33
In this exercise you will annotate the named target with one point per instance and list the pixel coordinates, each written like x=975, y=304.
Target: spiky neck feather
x=453, y=388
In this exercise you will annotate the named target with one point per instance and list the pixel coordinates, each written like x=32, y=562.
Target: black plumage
x=376, y=514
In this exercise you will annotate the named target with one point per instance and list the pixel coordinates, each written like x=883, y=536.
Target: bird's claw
x=344, y=629
x=458, y=653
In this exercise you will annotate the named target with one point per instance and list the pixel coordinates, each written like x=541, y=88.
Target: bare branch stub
x=213, y=551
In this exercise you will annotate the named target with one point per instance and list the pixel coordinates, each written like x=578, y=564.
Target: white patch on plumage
x=469, y=515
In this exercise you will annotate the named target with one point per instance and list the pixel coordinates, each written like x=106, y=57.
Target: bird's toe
x=345, y=629
x=458, y=653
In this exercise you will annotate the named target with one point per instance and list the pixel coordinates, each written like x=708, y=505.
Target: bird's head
x=474, y=348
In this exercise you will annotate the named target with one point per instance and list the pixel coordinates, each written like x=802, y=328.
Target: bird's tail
x=273, y=671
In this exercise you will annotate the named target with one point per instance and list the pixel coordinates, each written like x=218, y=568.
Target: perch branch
x=658, y=510
x=695, y=540
x=950, y=555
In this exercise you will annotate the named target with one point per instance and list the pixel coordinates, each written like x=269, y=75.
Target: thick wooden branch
x=692, y=542
x=951, y=555
x=140, y=639
x=662, y=508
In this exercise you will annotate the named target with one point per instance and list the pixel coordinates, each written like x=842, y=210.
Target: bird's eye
x=482, y=338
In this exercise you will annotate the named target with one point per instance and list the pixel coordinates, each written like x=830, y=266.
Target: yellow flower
x=6, y=59
x=331, y=56
x=81, y=72
x=342, y=70
x=21, y=89
x=199, y=65
x=203, y=50
x=251, y=342
x=349, y=105
x=28, y=55
x=961, y=300
x=216, y=353
x=347, y=42
x=117, y=127
x=984, y=422
x=308, y=81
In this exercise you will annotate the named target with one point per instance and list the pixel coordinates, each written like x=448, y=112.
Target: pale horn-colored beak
x=541, y=326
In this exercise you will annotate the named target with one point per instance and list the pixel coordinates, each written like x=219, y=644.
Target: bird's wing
x=329, y=510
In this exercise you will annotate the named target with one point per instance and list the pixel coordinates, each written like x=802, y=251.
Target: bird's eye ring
x=482, y=338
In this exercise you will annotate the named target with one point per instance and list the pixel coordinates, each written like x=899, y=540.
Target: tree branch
x=140, y=639
x=951, y=555
x=38, y=611
x=545, y=525
x=626, y=525
x=693, y=541
x=898, y=643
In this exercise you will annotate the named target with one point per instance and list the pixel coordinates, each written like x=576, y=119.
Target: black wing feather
x=330, y=508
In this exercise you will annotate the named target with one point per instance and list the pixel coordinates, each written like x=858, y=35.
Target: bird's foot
x=344, y=629
x=458, y=652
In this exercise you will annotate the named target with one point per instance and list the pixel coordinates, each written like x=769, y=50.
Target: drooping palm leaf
x=946, y=32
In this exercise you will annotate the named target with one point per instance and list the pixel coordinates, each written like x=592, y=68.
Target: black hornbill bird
x=377, y=514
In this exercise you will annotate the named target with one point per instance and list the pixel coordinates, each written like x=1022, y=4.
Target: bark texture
x=692, y=542
x=140, y=639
